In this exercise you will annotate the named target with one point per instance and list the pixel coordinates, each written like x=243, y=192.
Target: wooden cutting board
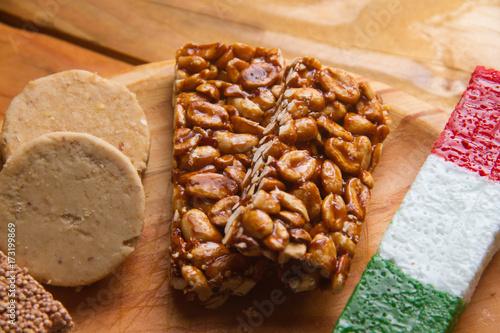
x=137, y=296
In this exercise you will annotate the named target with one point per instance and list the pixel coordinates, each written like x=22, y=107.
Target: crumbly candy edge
x=25, y=286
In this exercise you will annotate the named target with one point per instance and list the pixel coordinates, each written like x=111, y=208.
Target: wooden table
x=424, y=48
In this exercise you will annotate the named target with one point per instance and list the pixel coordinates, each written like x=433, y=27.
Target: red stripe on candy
x=471, y=138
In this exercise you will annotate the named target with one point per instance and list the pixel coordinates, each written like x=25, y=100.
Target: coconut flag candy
x=446, y=230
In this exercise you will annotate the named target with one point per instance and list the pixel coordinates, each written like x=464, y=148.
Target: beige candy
x=78, y=101
x=77, y=204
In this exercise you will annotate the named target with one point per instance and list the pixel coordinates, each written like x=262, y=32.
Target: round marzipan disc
x=78, y=101
x=77, y=204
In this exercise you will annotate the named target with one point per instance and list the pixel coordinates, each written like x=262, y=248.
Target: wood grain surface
x=27, y=55
x=427, y=48
x=137, y=296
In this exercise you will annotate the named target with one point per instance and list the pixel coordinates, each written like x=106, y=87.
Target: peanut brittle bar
x=272, y=167
x=223, y=97
x=309, y=184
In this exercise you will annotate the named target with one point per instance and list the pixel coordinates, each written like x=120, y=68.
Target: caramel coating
x=291, y=181
x=320, y=147
x=224, y=96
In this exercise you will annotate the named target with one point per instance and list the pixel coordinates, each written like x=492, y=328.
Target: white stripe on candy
x=444, y=232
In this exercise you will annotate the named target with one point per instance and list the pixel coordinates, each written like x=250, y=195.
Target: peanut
x=209, y=90
x=204, y=253
x=195, y=224
x=230, y=143
x=207, y=51
x=186, y=98
x=340, y=277
x=377, y=153
x=291, y=203
x=197, y=282
x=257, y=223
x=244, y=52
x=233, y=263
x=180, y=199
x=278, y=240
x=371, y=110
x=352, y=229
x=292, y=251
x=203, y=204
x=249, y=246
x=211, y=185
x=259, y=74
x=322, y=254
x=366, y=178
x=224, y=161
x=363, y=147
x=287, y=132
x=207, y=115
x=309, y=194
x=381, y=133
x=331, y=177
x=225, y=58
x=343, y=244
x=336, y=110
x=312, y=98
x=343, y=154
x=334, y=129
x=299, y=235
x=264, y=99
x=243, y=125
x=221, y=211
x=270, y=184
x=291, y=220
x=180, y=116
x=234, y=68
x=306, y=128
x=266, y=202
x=182, y=178
x=235, y=174
x=184, y=140
x=358, y=125
x=246, y=108
x=297, y=109
x=334, y=212
x=342, y=84
x=296, y=166
x=357, y=196
x=367, y=90
x=198, y=158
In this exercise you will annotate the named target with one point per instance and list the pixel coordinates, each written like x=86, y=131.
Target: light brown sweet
x=77, y=204
x=78, y=101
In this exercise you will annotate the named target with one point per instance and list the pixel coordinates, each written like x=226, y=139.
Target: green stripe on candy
x=387, y=300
